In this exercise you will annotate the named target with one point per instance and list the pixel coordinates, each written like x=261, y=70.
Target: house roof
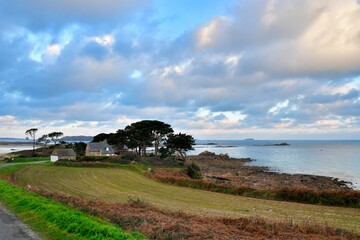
x=64, y=153
x=102, y=147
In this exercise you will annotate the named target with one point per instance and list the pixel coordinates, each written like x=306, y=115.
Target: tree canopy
x=55, y=136
x=44, y=139
x=180, y=143
x=142, y=134
x=32, y=133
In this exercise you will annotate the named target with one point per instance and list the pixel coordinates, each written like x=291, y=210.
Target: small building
x=63, y=154
x=99, y=149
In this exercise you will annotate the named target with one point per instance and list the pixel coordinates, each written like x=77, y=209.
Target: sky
x=214, y=69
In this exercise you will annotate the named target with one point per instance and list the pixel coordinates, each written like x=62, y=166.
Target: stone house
x=99, y=149
x=63, y=154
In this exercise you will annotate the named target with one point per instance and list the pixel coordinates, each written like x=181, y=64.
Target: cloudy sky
x=215, y=69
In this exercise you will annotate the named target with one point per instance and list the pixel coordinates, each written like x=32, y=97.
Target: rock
x=207, y=153
x=224, y=156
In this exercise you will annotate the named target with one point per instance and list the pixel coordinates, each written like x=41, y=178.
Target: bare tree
x=44, y=139
x=32, y=133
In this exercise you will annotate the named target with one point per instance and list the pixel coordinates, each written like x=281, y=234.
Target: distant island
x=274, y=144
x=249, y=139
x=77, y=139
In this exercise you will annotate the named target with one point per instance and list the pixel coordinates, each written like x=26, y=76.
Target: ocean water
x=339, y=159
x=15, y=147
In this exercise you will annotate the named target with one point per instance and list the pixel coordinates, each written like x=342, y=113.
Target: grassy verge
x=55, y=220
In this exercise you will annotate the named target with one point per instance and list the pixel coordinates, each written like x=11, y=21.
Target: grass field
x=110, y=184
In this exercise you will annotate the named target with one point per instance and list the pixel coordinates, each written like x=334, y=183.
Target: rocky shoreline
x=222, y=169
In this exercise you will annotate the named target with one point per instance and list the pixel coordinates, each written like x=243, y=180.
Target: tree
x=55, y=136
x=120, y=139
x=180, y=143
x=139, y=135
x=144, y=132
x=102, y=136
x=32, y=133
x=78, y=147
x=159, y=131
x=44, y=139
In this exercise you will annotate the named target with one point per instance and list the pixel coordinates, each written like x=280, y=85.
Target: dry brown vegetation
x=336, y=197
x=157, y=223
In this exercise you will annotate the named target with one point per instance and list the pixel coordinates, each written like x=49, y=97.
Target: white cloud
x=315, y=37
x=208, y=35
x=279, y=106
x=107, y=40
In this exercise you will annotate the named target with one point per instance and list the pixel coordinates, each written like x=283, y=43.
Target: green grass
x=28, y=159
x=118, y=185
x=56, y=221
x=10, y=169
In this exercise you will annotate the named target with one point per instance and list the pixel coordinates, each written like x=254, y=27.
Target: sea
x=333, y=158
x=13, y=145
x=337, y=158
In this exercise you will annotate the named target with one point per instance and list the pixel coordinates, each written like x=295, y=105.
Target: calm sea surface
x=339, y=159
x=14, y=147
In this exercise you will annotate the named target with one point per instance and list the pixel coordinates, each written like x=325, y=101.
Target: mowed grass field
x=118, y=185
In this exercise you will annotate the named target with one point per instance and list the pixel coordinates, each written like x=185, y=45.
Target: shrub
x=165, y=152
x=193, y=171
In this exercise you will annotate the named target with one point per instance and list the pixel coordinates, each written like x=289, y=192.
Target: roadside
x=11, y=228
